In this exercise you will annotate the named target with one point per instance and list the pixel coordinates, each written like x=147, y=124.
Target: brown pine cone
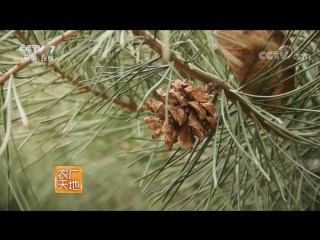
x=190, y=113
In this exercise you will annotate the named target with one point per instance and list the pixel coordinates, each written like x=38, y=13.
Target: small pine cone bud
x=191, y=113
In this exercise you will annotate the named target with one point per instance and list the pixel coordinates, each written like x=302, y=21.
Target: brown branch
x=180, y=63
x=77, y=81
x=130, y=106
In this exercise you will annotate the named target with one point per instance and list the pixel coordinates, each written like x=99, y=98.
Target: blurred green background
x=107, y=184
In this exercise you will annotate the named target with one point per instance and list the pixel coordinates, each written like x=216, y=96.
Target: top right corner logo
x=284, y=52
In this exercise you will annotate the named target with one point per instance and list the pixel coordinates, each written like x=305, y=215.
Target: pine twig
x=181, y=63
x=199, y=74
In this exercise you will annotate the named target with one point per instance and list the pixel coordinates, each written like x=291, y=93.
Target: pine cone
x=190, y=112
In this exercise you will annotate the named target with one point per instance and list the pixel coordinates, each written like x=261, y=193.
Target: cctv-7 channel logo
x=31, y=49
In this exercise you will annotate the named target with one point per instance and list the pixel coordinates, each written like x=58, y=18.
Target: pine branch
x=199, y=74
x=180, y=63
x=232, y=94
x=77, y=81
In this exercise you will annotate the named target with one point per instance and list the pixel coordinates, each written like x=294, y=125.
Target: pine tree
x=203, y=120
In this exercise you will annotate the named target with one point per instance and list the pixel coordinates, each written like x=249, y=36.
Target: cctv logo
x=34, y=48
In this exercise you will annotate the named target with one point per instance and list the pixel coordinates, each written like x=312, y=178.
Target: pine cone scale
x=201, y=112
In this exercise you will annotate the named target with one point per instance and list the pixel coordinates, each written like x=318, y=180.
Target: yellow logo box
x=68, y=179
